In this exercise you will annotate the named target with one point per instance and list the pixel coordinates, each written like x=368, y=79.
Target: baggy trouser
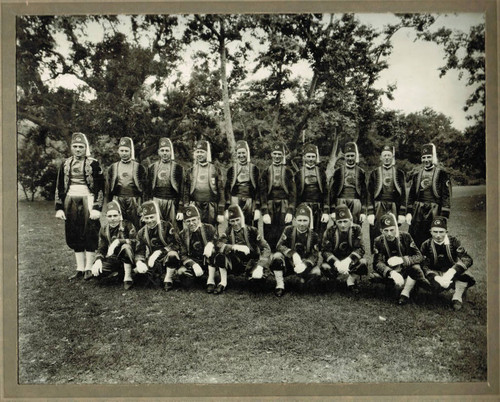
x=82, y=233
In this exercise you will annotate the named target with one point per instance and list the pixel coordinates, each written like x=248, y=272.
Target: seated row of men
x=162, y=253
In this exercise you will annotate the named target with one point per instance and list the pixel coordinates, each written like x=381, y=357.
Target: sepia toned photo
x=252, y=199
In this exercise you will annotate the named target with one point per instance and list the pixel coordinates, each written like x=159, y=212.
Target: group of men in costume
x=311, y=227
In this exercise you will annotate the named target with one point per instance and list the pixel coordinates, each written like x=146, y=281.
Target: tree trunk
x=332, y=160
x=225, y=92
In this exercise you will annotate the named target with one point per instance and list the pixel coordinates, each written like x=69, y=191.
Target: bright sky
x=413, y=68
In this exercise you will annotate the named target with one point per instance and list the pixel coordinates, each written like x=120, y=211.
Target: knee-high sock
x=459, y=290
x=280, y=283
x=169, y=275
x=409, y=284
x=352, y=279
x=211, y=275
x=89, y=257
x=223, y=276
x=127, y=268
x=80, y=260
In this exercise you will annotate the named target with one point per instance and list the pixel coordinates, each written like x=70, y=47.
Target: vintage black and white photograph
x=271, y=198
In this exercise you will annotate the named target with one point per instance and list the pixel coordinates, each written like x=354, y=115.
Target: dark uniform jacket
x=337, y=185
x=231, y=181
x=333, y=250
x=375, y=188
x=454, y=257
x=215, y=183
x=162, y=237
x=266, y=184
x=309, y=252
x=407, y=249
x=259, y=248
x=176, y=181
x=125, y=232
x=192, y=245
x=441, y=189
x=322, y=184
x=94, y=178
x=139, y=175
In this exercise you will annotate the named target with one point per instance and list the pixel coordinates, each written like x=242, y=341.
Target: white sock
x=169, y=275
x=128, y=272
x=89, y=257
x=352, y=279
x=280, y=283
x=459, y=290
x=409, y=284
x=211, y=275
x=223, y=276
x=80, y=261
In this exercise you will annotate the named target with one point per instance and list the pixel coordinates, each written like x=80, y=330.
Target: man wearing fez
x=165, y=183
x=446, y=262
x=127, y=182
x=343, y=249
x=277, y=195
x=348, y=185
x=203, y=187
x=197, y=250
x=297, y=250
x=115, y=253
x=157, y=245
x=312, y=188
x=397, y=258
x=79, y=197
x=429, y=195
x=242, y=184
x=242, y=250
x=386, y=193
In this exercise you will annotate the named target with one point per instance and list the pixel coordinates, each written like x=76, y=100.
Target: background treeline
x=131, y=76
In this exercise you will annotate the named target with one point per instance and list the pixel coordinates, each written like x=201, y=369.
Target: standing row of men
x=274, y=193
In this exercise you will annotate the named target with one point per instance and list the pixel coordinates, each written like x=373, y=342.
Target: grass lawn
x=95, y=332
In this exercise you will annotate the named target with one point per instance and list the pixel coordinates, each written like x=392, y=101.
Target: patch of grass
x=95, y=332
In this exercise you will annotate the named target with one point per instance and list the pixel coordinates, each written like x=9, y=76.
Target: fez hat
x=352, y=147
x=129, y=143
x=234, y=211
x=305, y=210
x=280, y=147
x=191, y=212
x=150, y=208
x=204, y=146
x=430, y=149
x=80, y=138
x=114, y=206
x=165, y=142
x=312, y=149
x=440, y=222
x=388, y=220
x=388, y=148
x=241, y=144
x=342, y=212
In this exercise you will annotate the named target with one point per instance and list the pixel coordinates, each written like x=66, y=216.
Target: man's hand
x=332, y=215
x=152, y=258
x=296, y=259
x=299, y=268
x=288, y=218
x=179, y=216
x=266, y=219
x=408, y=219
x=111, y=249
x=256, y=215
x=141, y=267
x=60, y=215
x=394, y=261
x=258, y=272
x=198, y=271
x=325, y=218
x=220, y=218
x=95, y=214
x=371, y=219
x=97, y=268
x=401, y=219
x=362, y=218
x=209, y=249
x=241, y=248
x=397, y=278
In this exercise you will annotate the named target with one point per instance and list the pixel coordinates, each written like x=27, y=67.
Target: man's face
x=113, y=218
x=350, y=158
x=386, y=158
x=241, y=155
x=236, y=223
x=302, y=223
x=426, y=160
x=310, y=159
x=438, y=234
x=125, y=153
x=390, y=232
x=343, y=224
x=150, y=220
x=277, y=157
x=200, y=155
x=78, y=150
x=165, y=154
x=193, y=223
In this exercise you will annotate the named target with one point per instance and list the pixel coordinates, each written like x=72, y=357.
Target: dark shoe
x=168, y=286
x=403, y=300
x=210, y=288
x=353, y=289
x=457, y=305
x=77, y=275
x=127, y=284
x=219, y=289
x=88, y=275
x=278, y=292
